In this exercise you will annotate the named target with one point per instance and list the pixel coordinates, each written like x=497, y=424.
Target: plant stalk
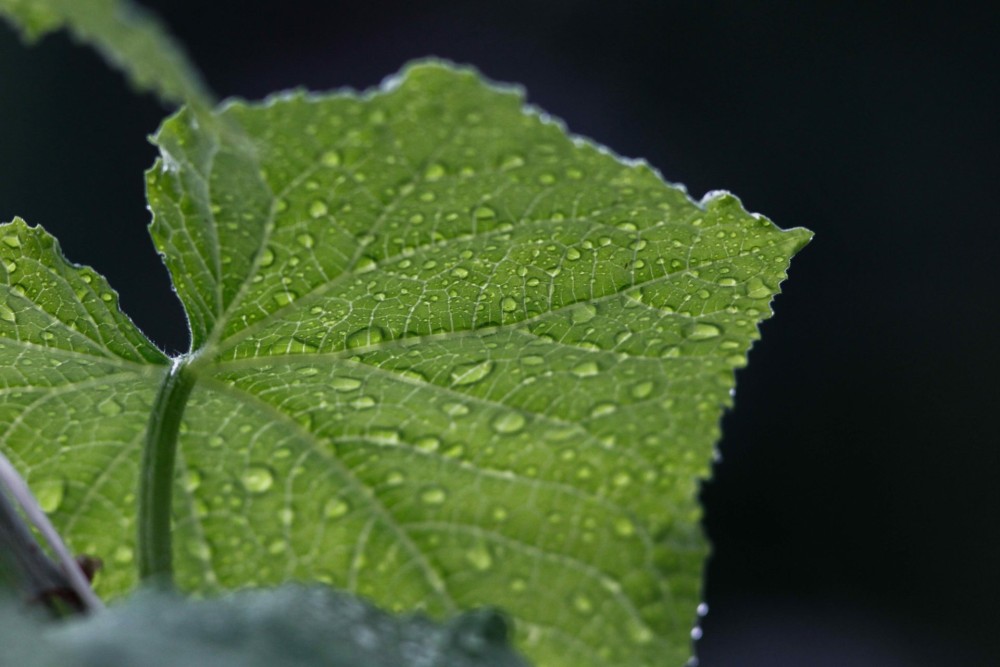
x=156, y=477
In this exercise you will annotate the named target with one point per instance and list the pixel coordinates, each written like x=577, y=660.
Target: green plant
x=443, y=355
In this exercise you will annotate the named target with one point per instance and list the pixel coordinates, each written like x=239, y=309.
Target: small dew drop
x=285, y=298
x=508, y=305
x=586, y=369
x=484, y=213
x=455, y=409
x=479, y=558
x=642, y=390
x=582, y=603
x=192, y=480
x=583, y=313
x=267, y=257
x=365, y=337
x=702, y=331
x=330, y=159
x=6, y=314
x=306, y=240
x=511, y=422
x=362, y=403
x=434, y=495
x=512, y=161
x=335, y=508
x=471, y=373
x=603, y=410
x=318, y=209
x=50, y=495
x=257, y=478
x=572, y=254
x=345, y=384
x=365, y=264
x=434, y=172
x=427, y=444
x=12, y=241
x=123, y=555
x=624, y=527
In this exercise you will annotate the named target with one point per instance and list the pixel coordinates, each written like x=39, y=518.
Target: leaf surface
x=446, y=356
x=128, y=37
x=77, y=381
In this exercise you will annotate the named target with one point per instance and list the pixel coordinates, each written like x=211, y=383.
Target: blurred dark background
x=858, y=487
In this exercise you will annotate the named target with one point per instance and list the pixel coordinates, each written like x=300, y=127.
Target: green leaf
x=128, y=37
x=444, y=355
x=292, y=626
x=77, y=382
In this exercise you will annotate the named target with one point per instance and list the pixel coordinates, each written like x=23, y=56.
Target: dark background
x=852, y=512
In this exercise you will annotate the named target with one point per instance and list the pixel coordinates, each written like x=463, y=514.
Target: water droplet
x=484, y=213
x=200, y=550
x=583, y=313
x=512, y=161
x=365, y=337
x=6, y=314
x=702, y=331
x=508, y=305
x=572, y=254
x=470, y=373
x=434, y=172
x=621, y=478
x=365, y=264
x=335, y=508
x=756, y=289
x=586, y=369
x=306, y=240
x=460, y=272
x=362, y=403
x=285, y=298
x=546, y=179
x=455, y=409
x=267, y=257
x=499, y=514
x=192, y=480
x=11, y=266
x=639, y=633
x=511, y=422
x=642, y=390
x=624, y=527
x=123, y=555
x=109, y=407
x=479, y=558
x=427, y=444
x=342, y=383
x=582, y=603
x=434, y=495
x=702, y=610
x=603, y=410
x=318, y=209
x=257, y=478
x=12, y=241
x=50, y=495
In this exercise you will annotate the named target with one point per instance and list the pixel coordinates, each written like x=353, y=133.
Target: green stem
x=156, y=480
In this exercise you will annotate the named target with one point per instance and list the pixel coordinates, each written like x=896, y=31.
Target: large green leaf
x=127, y=36
x=443, y=355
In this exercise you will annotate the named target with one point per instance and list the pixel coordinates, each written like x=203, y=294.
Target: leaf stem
x=156, y=478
